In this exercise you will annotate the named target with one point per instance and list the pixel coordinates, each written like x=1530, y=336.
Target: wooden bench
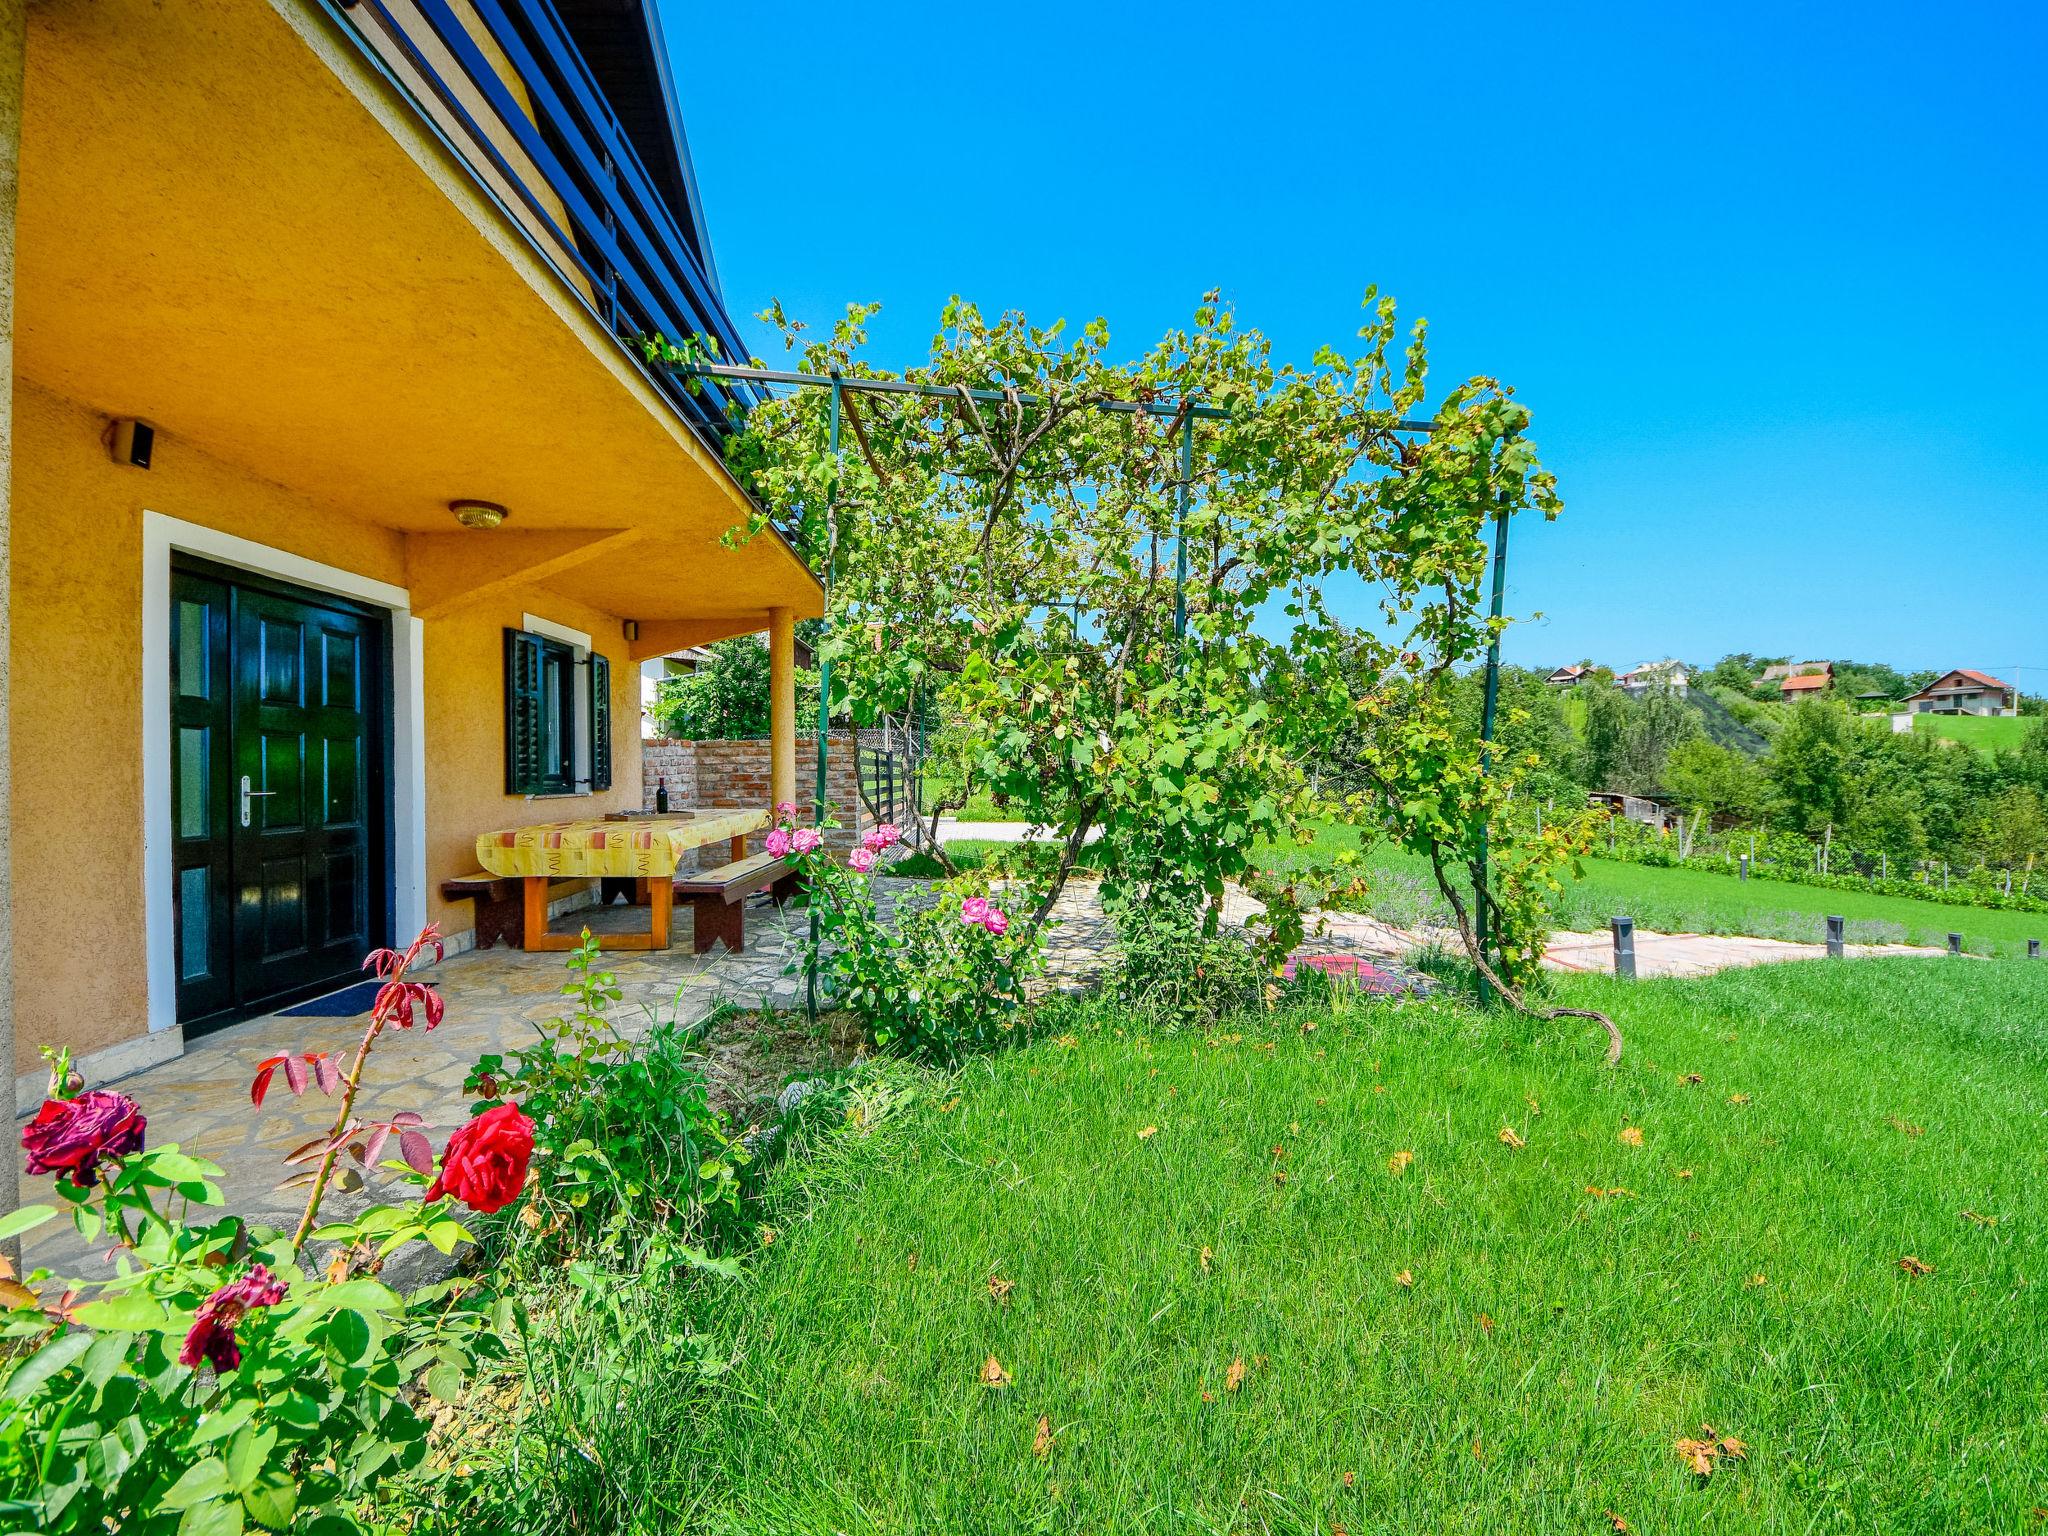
x=500, y=906
x=716, y=897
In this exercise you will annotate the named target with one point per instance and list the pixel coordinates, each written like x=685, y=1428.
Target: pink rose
x=861, y=860
x=886, y=834
x=777, y=843
x=974, y=910
x=785, y=810
x=805, y=840
x=995, y=922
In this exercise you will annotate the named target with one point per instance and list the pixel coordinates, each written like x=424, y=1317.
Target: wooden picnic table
x=642, y=849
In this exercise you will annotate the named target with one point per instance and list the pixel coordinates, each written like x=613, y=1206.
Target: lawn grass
x=1742, y=1270
x=1694, y=901
x=1987, y=733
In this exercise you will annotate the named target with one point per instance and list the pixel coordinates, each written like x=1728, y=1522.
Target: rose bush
x=946, y=978
x=214, y=1379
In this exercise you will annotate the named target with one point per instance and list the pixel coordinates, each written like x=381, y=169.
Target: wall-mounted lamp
x=632, y=629
x=130, y=442
x=483, y=516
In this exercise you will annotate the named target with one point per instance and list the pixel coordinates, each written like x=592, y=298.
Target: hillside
x=1722, y=728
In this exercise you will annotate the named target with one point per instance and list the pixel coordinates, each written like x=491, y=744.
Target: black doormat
x=359, y=998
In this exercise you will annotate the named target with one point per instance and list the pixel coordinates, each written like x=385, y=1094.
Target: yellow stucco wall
x=78, y=897
x=465, y=707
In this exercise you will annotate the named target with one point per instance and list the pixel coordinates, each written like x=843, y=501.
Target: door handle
x=249, y=794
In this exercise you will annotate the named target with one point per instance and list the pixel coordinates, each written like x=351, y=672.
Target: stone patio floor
x=494, y=998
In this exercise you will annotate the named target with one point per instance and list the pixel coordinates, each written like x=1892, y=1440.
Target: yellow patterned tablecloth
x=568, y=850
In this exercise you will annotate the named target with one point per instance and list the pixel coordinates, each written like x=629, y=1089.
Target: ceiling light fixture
x=480, y=515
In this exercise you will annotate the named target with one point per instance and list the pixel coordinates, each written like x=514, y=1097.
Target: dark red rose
x=484, y=1165
x=70, y=1136
x=212, y=1336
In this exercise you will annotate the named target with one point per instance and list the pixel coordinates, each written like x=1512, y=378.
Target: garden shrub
x=216, y=1382
x=945, y=979
x=1172, y=971
x=634, y=1163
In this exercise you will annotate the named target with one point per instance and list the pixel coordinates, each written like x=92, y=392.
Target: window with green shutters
x=544, y=727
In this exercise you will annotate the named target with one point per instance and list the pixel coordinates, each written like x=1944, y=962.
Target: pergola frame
x=1188, y=412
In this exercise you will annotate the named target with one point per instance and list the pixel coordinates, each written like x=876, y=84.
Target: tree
x=1706, y=781
x=1807, y=767
x=1016, y=554
x=1658, y=721
x=726, y=698
x=2013, y=833
x=1605, y=736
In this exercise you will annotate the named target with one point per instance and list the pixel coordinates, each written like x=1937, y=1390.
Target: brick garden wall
x=708, y=773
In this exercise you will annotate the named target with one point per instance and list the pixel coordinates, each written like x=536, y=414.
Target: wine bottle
x=661, y=796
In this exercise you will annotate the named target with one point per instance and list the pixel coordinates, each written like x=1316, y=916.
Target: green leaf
x=201, y=1481
x=132, y=1313
x=248, y=1453
x=216, y=1517
x=273, y=1500
x=445, y=1382
x=45, y=1363
x=27, y=1219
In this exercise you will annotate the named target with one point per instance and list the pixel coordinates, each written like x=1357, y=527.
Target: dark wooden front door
x=279, y=791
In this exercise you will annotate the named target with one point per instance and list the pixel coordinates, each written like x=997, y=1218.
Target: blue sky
x=1771, y=278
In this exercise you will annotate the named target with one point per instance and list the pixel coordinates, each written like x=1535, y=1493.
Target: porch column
x=13, y=54
x=781, y=707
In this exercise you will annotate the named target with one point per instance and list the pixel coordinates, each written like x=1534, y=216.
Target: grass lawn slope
x=1699, y=901
x=1987, y=733
x=1418, y=1269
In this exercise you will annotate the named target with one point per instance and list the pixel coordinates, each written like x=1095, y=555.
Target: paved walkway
x=495, y=997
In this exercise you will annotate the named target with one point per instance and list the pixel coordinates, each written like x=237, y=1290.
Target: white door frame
x=162, y=537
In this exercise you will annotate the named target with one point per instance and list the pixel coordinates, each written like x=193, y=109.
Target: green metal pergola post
x=1486, y=724
x=824, y=673
x=1180, y=523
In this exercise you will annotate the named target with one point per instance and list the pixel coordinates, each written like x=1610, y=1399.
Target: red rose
x=484, y=1165
x=70, y=1136
x=212, y=1335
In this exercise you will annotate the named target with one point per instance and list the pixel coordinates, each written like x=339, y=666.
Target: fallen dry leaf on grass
x=1617, y=1522
x=1616, y=1193
x=1485, y=1323
x=1208, y=1256
x=1738, y=1098
x=1398, y=1163
x=993, y=1374
x=1279, y=1175
x=999, y=1289
x=1234, y=1377
x=1148, y=1133
x=1535, y=1109
x=1706, y=1453
x=1978, y=1219
x=1508, y=1138
x=1685, y=1173
x=1905, y=1127
x=1692, y=1079
x=1337, y=1530
x=1405, y=1278
x=1631, y=1136
x=911, y=1267
x=1041, y=1444
x=1350, y=1479
x=1756, y=1282
x=1914, y=1267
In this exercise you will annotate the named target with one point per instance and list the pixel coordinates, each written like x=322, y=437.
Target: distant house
x=1568, y=677
x=1655, y=674
x=1805, y=685
x=1651, y=813
x=1963, y=692
x=1777, y=672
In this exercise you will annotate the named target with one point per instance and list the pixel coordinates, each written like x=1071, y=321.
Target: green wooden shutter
x=600, y=722
x=525, y=767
